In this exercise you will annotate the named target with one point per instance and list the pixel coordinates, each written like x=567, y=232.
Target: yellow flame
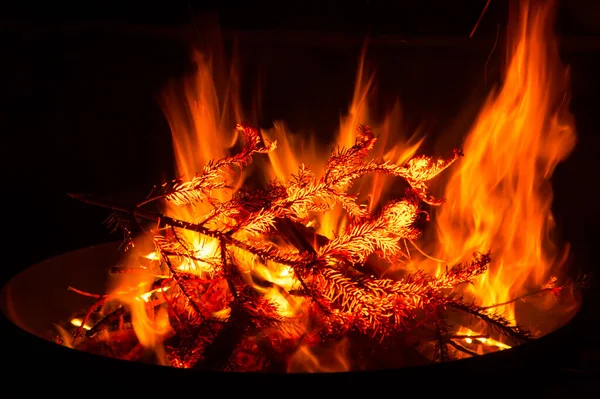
x=477, y=339
x=135, y=291
x=76, y=321
x=147, y=295
x=200, y=134
x=152, y=256
x=282, y=276
x=499, y=196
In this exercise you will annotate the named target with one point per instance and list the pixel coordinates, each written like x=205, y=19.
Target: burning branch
x=270, y=285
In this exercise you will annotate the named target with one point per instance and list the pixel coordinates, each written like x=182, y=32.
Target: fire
x=498, y=199
x=200, y=133
x=333, y=359
x=471, y=339
x=281, y=276
x=78, y=322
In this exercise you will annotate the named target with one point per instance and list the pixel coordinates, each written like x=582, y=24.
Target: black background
x=78, y=107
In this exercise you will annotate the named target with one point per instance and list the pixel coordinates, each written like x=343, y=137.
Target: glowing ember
x=327, y=264
x=77, y=322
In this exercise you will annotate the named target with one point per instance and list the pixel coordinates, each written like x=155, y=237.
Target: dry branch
x=226, y=315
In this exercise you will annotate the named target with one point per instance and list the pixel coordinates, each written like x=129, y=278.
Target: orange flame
x=135, y=292
x=196, y=122
x=332, y=359
x=499, y=196
x=200, y=133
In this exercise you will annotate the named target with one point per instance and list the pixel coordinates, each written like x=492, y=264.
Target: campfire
x=271, y=253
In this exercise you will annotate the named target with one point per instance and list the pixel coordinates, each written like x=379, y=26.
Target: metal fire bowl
x=35, y=299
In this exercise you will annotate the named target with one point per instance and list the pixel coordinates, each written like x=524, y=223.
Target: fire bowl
x=38, y=297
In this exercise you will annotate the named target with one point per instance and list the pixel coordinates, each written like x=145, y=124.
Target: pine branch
x=265, y=250
x=496, y=321
x=465, y=272
x=121, y=221
x=384, y=233
x=219, y=314
x=551, y=287
x=461, y=348
x=305, y=193
x=181, y=192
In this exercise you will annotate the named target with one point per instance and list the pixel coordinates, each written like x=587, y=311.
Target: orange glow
x=150, y=323
x=499, y=196
x=199, y=136
x=200, y=133
x=331, y=359
x=481, y=340
x=76, y=321
x=135, y=291
x=282, y=276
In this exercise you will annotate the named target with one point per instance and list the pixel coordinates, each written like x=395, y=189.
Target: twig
x=217, y=355
x=462, y=348
x=464, y=336
x=108, y=319
x=300, y=242
x=441, y=343
x=177, y=280
x=487, y=4
x=160, y=218
x=83, y=293
x=424, y=254
x=498, y=322
x=228, y=270
x=86, y=317
x=497, y=305
x=345, y=293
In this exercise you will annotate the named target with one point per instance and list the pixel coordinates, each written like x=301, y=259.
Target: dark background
x=78, y=107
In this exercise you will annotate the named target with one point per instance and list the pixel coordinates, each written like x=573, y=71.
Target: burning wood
x=218, y=310
x=224, y=276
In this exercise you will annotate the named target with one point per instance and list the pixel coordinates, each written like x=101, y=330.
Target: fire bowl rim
x=497, y=359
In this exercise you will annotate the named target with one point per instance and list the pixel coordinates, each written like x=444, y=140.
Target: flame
x=499, y=196
x=136, y=291
x=295, y=149
x=331, y=359
x=76, y=321
x=200, y=132
x=479, y=343
x=197, y=121
x=282, y=276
